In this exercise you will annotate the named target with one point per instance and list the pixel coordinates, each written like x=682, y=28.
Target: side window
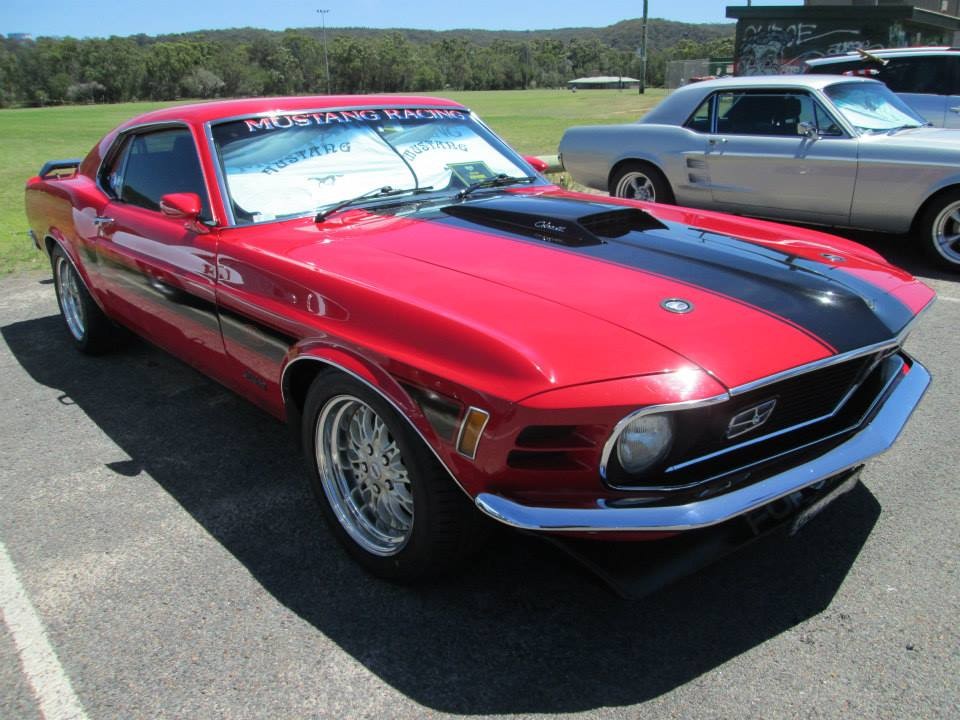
x=157, y=163
x=700, y=121
x=825, y=124
x=768, y=113
x=926, y=75
x=111, y=175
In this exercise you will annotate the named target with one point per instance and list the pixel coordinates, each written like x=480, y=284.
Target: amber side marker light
x=470, y=431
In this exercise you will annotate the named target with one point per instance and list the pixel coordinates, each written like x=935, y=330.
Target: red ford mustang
x=449, y=334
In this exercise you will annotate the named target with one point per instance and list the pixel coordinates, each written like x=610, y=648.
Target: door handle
x=101, y=221
x=955, y=109
x=714, y=141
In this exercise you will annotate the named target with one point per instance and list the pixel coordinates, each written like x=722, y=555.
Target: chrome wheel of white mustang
x=636, y=186
x=363, y=475
x=70, y=301
x=946, y=233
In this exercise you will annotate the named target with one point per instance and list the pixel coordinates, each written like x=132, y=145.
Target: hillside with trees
x=250, y=61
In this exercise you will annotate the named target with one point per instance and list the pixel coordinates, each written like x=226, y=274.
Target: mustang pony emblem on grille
x=751, y=418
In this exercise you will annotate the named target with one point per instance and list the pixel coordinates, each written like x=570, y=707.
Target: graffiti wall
x=771, y=46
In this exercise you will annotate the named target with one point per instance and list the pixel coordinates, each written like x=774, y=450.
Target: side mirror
x=807, y=129
x=536, y=163
x=184, y=206
x=181, y=206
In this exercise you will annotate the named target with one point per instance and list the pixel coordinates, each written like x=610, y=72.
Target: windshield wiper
x=496, y=181
x=898, y=128
x=380, y=192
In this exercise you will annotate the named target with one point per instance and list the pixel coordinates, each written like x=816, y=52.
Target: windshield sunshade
x=871, y=106
x=292, y=165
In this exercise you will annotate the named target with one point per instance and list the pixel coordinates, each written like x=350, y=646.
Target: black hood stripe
x=838, y=309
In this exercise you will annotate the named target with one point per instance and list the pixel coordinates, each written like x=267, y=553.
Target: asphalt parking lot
x=160, y=558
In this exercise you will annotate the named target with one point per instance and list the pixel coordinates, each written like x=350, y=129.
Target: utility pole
x=326, y=60
x=643, y=51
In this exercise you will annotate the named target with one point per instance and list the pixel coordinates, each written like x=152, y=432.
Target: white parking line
x=948, y=299
x=49, y=682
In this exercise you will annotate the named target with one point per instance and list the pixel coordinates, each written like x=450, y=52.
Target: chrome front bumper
x=878, y=435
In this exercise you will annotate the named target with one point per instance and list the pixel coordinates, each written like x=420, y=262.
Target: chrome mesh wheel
x=363, y=475
x=71, y=303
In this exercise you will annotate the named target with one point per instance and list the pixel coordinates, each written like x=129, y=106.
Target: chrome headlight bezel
x=609, y=463
x=644, y=441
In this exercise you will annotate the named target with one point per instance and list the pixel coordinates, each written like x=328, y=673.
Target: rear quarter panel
x=63, y=209
x=590, y=153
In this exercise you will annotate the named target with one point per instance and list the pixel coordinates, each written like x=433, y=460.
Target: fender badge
x=676, y=305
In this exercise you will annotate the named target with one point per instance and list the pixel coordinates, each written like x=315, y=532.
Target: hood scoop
x=559, y=221
x=617, y=223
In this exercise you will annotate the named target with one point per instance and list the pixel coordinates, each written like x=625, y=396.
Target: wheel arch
x=54, y=239
x=306, y=363
x=641, y=158
x=932, y=197
x=300, y=372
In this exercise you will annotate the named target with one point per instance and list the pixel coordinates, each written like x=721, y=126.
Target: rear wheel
x=91, y=330
x=383, y=494
x=638, y=180
x=940, y=228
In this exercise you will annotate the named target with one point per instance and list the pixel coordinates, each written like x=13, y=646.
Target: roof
x=885, y=12
x=604, y=79
x=676, y=108
x=885, y=53
x=221, y=109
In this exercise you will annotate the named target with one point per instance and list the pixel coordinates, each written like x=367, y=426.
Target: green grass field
x=532, y=121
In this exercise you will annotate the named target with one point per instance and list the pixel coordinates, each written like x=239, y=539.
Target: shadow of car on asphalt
x=520, y=630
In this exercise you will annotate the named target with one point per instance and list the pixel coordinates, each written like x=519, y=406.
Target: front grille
x=808, y=408
x=800, y=399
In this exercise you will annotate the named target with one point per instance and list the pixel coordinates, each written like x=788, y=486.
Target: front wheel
x=641, y=181
x=940, y=228
x=383, y=494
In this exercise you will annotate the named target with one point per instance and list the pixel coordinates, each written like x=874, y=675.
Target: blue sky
x=84, y=18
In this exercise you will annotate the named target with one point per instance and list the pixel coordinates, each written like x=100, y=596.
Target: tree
x=351, y=65
x=307, y=54
x=201, y=83
x=167, y=63
x=241, y=76
x=117, y=64
x=249, y=61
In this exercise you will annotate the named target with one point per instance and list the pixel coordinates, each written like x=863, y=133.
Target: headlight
x=644, y=441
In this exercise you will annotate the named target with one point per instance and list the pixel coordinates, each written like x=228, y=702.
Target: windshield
x=284, y=166
x=872, y=107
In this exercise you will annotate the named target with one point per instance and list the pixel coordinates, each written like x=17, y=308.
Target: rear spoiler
x=56, y=168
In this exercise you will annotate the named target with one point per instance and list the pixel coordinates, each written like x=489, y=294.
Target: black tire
x=91, y=331
x=443, y=523
x=637, y=180
x=939, y=228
